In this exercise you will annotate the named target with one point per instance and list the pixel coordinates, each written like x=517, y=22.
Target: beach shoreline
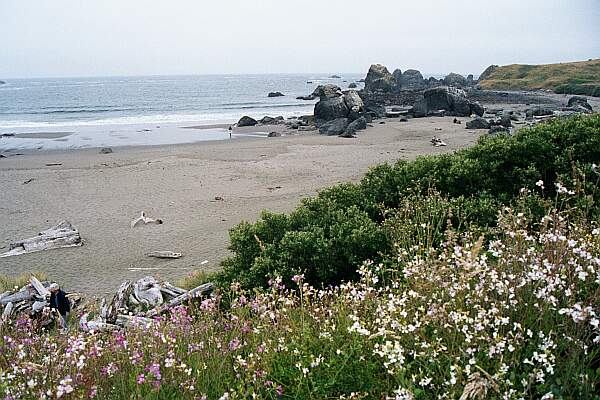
x=200, y=190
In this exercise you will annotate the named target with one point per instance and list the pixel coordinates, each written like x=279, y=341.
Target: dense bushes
x=327, y=236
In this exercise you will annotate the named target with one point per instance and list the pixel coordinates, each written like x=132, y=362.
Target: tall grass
x=11, y=282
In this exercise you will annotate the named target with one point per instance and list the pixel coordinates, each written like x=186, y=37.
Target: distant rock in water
x=379, y=79
x=246, y=121
x=335, y=77
x=456, y=80
x=276, y=94
x=352, y=86
x=2, y=83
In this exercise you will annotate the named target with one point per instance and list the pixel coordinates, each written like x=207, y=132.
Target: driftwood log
x=61, y=235
x=165, y=254
x=135, y=304
x=201, y=290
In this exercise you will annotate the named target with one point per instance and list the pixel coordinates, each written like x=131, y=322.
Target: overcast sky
x=138, y=37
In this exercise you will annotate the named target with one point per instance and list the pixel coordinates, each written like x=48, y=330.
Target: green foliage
x=573, y=78
x=327, y=236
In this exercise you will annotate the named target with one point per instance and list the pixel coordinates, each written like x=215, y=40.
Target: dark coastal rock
x=488, y=71
x=309, y=97
x=331, y=108
x=246, y=121
x=334, y=104
x=270, y=120
x=432, y=82
x=356, y=125
x=307, y=119
x=580, y=103
x=2, y=83
x=478, y=123
x=452, y=100
x=477, y=108
x=397, y=74
x=274, y=134
x=538, y=112
x=352, y=85
x=444, y=100
x=335, y=127
x=470, y=80
x=275, y=94
x=335, y=77
x=379, y=79
x=455, y=80
x=496, y=129
x=353, y=101
x=506, y=120
x=324, y=92
x=413, y=80
x=106, y=150
x=419, y=109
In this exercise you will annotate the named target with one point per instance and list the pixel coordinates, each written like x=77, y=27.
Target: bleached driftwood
x=42, y=291
x=118, y=303
x=38, y=306
x=143, y=220
x=172, y=288
x=129, y=321
x=165, y=254
x=94, y=325
x=59, y=236
x=8, y=310
x=199, y=291
x=147, y=292
x=21, y=295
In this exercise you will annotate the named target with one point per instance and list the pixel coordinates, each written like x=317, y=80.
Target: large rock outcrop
x=379, y=79
x=452, y=100
x=455, y=80
x=413, y=80
x=334, y=104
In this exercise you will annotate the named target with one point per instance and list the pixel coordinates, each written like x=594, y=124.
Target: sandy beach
x=200, y=190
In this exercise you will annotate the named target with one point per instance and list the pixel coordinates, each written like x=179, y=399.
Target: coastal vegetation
x=573, y=78
x=329, y=235
x=474, y=275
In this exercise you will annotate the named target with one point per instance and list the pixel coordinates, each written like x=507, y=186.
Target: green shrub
x=327, y=236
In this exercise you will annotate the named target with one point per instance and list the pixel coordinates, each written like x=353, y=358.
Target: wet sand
x=200, y=190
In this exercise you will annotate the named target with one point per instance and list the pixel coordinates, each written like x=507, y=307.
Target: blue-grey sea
x=62, y=113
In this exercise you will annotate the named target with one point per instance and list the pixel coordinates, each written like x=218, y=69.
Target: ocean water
x=91, y=112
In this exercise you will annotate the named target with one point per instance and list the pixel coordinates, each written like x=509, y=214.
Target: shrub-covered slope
x=327, y=236
x=574, y=78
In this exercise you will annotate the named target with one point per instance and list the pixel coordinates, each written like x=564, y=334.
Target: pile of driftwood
x=136, y=303
x=62, y=235
x=33, y=299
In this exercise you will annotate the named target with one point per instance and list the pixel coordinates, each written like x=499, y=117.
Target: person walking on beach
x=230, y=129
x=59, y=301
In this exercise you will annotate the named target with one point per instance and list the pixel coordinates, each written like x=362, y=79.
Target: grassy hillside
x=574, y=78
